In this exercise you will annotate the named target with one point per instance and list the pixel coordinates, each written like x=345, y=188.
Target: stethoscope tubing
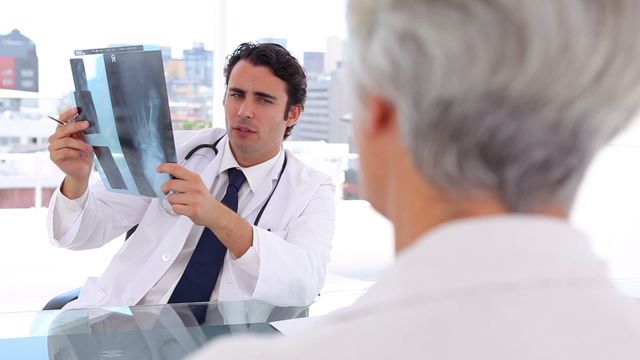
x=213, y=146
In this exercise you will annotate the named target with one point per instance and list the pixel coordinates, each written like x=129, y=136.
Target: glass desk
x=144, y=332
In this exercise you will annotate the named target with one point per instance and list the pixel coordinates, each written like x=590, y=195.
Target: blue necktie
x=200, y=275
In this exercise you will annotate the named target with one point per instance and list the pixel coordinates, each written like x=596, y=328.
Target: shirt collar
x=255, y=174
x=475, y=254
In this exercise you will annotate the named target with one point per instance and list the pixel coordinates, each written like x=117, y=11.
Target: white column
x=37, y=201
x=219, y=55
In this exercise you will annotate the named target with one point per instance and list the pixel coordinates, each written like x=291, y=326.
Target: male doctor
x=265, y=234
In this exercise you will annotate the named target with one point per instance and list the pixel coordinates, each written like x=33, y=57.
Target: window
x=195, y=39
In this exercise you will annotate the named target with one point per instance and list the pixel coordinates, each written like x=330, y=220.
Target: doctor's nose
x=246, y=110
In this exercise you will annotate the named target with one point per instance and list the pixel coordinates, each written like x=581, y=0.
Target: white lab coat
x=294, y=234
x=511, y=287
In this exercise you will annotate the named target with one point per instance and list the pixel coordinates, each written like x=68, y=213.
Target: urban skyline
x=190, y=87
x=177, y=26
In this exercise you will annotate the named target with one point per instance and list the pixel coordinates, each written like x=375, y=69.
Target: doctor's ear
x=294, y=114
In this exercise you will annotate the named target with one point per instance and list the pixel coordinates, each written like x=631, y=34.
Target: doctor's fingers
x=70, y=130
x=190, y=205
x=68, y=114
x=195, y=187
x=200, y=215
x=62, y=155
x=69, y=143
x=182, y=209
x=178, y=171
x=177, y=198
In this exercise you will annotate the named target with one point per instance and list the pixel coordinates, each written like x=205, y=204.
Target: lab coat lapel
x=265, y=188
x=175, y=228
x=208, y=168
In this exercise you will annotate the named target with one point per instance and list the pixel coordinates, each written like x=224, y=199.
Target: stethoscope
x=167, y=207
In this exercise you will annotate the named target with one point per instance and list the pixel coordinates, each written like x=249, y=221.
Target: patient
x=475, y=122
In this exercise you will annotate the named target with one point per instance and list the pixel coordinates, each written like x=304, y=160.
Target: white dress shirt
x=506, y=287
x=67, y=211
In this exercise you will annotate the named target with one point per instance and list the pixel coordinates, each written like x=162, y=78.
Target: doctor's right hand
x=71, y=154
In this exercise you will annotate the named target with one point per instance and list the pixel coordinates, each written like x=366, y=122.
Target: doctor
x=275, y=248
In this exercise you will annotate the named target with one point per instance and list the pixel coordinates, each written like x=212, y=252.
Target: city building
x=199, y=64
x=326, y=105
x=334, y=56
x=27, y=177
x=190, y=86
x=313, y=63
x=18, y=62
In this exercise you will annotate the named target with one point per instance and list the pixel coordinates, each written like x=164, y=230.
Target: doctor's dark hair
x=283, y=65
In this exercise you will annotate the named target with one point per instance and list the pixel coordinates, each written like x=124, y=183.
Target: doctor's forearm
x=234, y=232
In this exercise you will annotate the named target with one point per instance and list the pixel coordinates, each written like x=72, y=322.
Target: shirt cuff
x=75, y=205
x=66, y=212
x=250, y=261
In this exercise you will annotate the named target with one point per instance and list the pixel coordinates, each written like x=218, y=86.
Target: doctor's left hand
x=189, y=197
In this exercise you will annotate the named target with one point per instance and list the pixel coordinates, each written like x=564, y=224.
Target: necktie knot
x=236, y=178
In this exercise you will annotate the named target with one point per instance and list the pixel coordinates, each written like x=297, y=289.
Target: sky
x=59, y=27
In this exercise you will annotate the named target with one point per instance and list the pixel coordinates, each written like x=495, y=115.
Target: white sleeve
x=291, y=265
x=103, y=217
x=250, y=261
x=247, y=267
x=66, y=212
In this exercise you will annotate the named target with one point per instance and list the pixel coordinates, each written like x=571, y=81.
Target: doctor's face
x=255, y=105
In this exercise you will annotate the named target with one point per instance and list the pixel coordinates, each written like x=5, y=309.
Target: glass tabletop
x=144, y=332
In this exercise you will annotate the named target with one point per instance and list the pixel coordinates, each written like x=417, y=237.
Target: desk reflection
x=156, y=332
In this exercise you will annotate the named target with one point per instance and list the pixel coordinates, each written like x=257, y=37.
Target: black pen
x=71, y=120
x=56, y=120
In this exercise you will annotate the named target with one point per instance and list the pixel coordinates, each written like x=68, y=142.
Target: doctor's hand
x=191, y=198
x=71, y=154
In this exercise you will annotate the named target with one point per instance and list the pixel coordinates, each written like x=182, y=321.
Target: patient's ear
x=382, y=115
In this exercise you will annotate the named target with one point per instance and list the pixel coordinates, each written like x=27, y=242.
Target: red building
x=7, y=72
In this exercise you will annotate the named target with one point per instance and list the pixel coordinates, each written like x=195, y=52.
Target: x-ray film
x=123, y=94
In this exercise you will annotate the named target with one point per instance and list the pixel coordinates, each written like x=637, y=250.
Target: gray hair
x=506, y=98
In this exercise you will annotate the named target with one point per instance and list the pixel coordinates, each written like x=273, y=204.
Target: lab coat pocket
x=280, y=233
